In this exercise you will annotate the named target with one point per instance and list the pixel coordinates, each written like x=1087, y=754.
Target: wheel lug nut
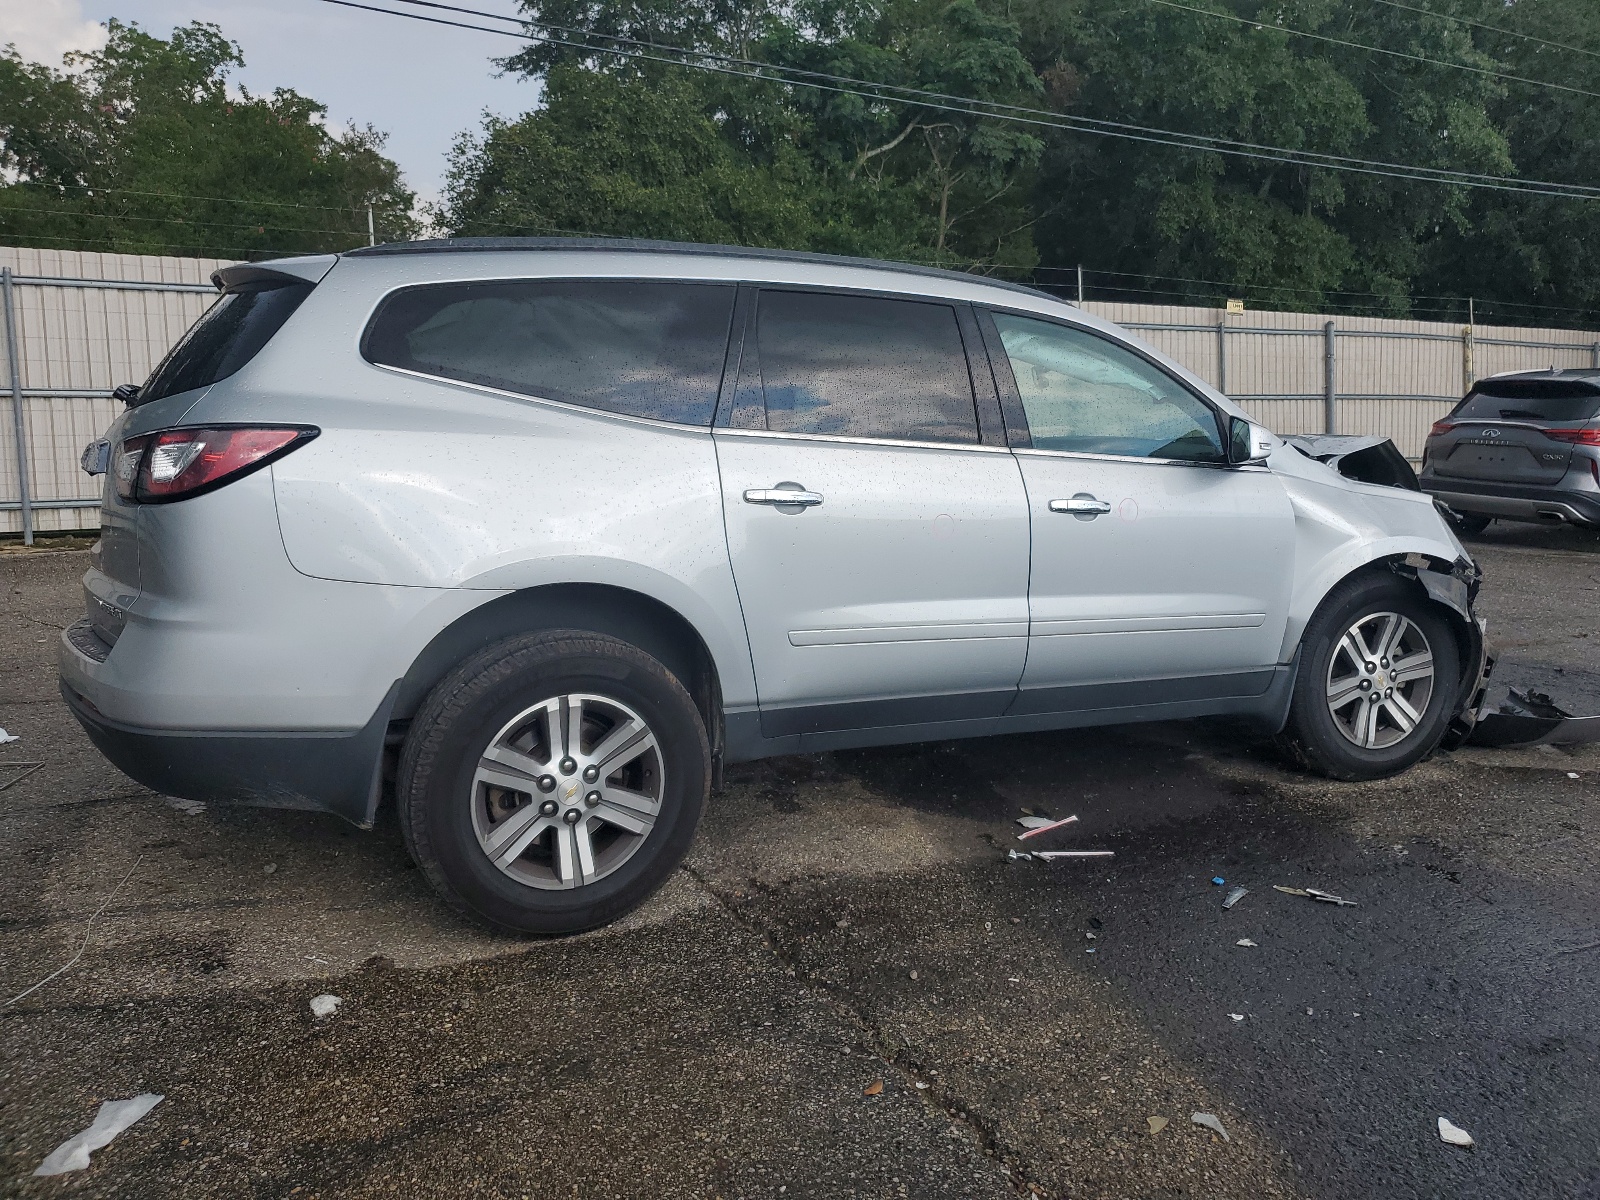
x=572, y=816
x=592, y=799
x=547, y=783
x=1365, y=684
x=548, y=808
x=591, y=773
x=1371, y=667
x=568, y=766
x=1388, y=692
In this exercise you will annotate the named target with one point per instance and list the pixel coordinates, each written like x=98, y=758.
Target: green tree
x=140, y=148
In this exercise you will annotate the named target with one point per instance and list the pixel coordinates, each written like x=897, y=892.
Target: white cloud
x=44, y=30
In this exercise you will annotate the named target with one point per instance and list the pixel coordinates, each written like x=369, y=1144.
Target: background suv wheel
x=1378, y=679
x=553, y=781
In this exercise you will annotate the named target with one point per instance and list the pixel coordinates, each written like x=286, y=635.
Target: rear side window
x=643, y=349
x=230, y=334
x=1530, y=400
x=860, y=366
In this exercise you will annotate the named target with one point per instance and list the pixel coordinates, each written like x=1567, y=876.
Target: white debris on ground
x=325, y=1005
x=114, y=1116
x=8, y=737
x=190, y=808
x=1244, y=942
x=1211, y=1123
x=1454, y=1134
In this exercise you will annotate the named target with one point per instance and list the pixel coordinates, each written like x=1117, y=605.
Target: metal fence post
x=1080, y=285
x=1468, y=374
x=14, y=355
x=1222, y=354
x=1594, y=356
x=1330, y=363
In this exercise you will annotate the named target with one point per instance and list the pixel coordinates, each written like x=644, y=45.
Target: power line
x=140, y=243
x=85, y=187
x=1082, y=124
x=6, y=209
x=966, y=106
x=1322, y=37
x=1491, y=28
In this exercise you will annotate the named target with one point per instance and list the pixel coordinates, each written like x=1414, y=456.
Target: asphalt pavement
x=848, y=991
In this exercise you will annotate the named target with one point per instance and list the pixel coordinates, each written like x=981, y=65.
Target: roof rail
x=635, y=245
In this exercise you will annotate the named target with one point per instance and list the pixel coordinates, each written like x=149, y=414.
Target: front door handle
x=783, y=494
x=1083, y=505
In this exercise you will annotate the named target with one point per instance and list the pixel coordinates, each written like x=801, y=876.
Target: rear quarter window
x=230, y=334
x=644, y=349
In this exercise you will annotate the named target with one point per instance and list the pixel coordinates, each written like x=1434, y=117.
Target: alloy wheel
x=567, y=791
x=1380, y=680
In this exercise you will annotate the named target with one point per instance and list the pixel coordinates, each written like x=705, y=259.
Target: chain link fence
x=77, y=324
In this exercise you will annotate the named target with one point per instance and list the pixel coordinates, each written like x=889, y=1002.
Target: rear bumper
x=1518, y=502
x=339, y=772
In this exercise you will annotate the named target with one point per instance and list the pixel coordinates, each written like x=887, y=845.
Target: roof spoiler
x=309, y=268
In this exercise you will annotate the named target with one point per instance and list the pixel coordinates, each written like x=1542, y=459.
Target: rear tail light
x=175, y=464
x=1580, y=437
x=1440, y=427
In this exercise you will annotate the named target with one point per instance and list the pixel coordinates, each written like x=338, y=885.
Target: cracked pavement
x=844, y=921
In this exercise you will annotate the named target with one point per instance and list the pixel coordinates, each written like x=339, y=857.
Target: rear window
x=230, y=334
x=644, y=349
x=1531, y=400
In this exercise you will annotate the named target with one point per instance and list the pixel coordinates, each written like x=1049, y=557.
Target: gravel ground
x=845, y=921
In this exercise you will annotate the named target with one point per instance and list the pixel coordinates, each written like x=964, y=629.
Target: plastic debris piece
x=1244, y=942
x=8, y=737
x=1013, y=856
x=1037, y=825
x=1157, y=1124
x=1570, y=774
x=1211, y=1123
x=873, y=1088
x=1237, y=1016
x=1234, y=896
x=1217, y=881
x=1454, y=1134
x=325, y=1005
x=1052, y=855
x=1329, y=898
x=1090, y=934
x=1091, y=949
x=1314, y=894
x=114, y=1116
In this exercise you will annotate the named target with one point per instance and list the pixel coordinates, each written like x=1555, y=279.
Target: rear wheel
x=1378, y=678
x=553, y=781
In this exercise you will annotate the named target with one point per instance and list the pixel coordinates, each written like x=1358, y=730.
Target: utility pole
x=372, y=236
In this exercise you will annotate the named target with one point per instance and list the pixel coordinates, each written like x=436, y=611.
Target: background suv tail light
x=175, y=464
x=1581, y=437
x=1440, y=427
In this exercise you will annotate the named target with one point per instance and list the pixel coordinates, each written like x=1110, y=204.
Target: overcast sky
x=421, y=84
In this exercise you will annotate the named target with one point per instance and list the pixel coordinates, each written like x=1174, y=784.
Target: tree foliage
x=624, y=145
x=143, y=148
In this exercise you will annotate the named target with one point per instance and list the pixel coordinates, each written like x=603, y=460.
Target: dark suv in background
x=1524, y=447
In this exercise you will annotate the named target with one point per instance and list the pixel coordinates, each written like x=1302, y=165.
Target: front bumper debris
x=1530, y=718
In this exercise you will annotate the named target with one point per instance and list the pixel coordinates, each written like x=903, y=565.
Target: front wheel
x=1378, y=681
x=553, y=781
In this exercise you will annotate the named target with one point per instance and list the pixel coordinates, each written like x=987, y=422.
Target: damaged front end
x=1456, y=588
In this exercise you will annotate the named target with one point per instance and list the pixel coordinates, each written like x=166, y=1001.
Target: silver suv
x=549, y=531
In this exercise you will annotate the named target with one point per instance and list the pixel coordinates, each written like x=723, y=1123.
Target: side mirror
x=127, y=393
x=1247, y=443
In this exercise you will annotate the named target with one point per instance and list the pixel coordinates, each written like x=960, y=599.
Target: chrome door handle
x=1081, y=505
x=780, y=495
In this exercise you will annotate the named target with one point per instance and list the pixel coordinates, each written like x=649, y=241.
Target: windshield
x=1559, y=400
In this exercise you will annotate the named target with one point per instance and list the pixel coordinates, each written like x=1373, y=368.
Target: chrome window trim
x=543, y=401
x=903, y=443
x=1035, y=452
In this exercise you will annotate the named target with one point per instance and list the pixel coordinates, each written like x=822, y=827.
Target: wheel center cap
x=569, y=789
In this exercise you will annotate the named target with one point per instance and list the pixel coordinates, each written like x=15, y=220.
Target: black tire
x=436, y=792
x=1315, y=734
x=1471, y=522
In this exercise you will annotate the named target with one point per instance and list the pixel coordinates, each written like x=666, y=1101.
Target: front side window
x=862, y=366
x=230, y=334
x=644, y=349
x=1085, y=394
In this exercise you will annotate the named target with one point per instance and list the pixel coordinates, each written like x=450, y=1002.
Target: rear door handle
x=1081, y=505
x=793, y=494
